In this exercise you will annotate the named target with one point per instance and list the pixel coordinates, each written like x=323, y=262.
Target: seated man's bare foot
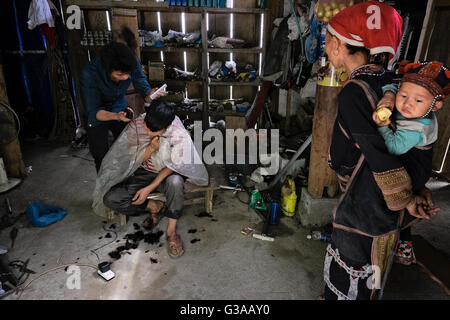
x=155, y=207
x=174, y=246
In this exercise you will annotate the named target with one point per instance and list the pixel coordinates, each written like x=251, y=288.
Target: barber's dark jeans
x=98, y=139
x=118, y=198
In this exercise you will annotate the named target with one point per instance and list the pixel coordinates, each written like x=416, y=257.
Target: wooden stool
x=188, y=188
x=208, y=194
x=110, y=216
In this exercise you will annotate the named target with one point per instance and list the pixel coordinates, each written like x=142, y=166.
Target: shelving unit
x=144, y=16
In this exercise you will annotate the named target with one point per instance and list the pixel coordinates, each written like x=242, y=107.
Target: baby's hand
x=378, y=121
x=387, y=101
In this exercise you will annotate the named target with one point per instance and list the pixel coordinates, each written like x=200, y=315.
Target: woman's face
x=117, y=76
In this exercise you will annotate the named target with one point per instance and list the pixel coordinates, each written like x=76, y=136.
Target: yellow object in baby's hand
x=384, y=113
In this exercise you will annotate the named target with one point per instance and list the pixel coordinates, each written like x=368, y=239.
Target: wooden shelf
x=235, y=83
x=158, y=6
x=198, y=49
x=92, y=47
x=135, y=15
x=170, y=49
x=107, y=4
x=208, y=10
x=227, y=113
x=236, y=50
x=177, y=83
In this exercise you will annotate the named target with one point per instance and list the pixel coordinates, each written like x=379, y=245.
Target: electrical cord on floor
x=107, y=244
x=237, y=196
x=80, y=157
x=54, y=269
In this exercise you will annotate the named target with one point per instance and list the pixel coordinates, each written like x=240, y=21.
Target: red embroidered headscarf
x=372, y=24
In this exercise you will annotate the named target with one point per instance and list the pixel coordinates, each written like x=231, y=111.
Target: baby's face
x=412, y=100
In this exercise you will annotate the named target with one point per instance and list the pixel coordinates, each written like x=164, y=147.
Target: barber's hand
x=377, y=120
x=160, y=94
x=141, y=195
x=122, y=116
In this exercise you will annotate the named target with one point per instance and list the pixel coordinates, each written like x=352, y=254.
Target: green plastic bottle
x=257, y=201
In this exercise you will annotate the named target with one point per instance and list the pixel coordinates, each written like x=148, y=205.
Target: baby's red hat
x=433, y=76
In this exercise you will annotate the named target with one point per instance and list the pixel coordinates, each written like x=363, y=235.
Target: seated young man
x=150, y=143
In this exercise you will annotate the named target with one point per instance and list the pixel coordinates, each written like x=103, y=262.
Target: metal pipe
x=302, y=148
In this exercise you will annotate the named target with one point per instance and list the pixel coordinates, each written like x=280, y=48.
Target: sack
x=41, y=215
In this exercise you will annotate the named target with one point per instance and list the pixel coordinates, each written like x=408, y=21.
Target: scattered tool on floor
x=13, y=235
x=8, y=219
x=247, y=230
x=265, y=230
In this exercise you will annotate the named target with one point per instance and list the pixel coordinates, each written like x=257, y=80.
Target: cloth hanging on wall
x=40, y=13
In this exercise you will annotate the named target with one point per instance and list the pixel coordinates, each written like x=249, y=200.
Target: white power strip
x=108, y=275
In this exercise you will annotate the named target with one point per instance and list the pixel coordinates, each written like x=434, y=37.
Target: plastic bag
x=41, y=215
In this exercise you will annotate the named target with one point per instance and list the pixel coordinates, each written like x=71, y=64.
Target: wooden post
x=209, y=200
x=320, y=174
x=288, y=113
x=125, y=17
x=205, y=68
x=11, y=153
x=440, y=150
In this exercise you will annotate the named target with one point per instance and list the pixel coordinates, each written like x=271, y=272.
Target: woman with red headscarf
x=377, y=200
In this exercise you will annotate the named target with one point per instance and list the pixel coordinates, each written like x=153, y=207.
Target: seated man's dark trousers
x=119, y=197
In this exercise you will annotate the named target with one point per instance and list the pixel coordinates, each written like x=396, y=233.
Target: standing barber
x=104, y=82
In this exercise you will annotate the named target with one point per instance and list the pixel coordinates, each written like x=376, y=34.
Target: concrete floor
x=224, y=264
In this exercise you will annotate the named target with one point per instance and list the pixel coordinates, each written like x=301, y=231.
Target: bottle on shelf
x=90, y=38
x=84, y=40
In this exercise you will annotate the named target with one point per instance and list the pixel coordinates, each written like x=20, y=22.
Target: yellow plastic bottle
x=288, y=198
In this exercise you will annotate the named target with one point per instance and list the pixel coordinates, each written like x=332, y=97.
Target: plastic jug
x=288, y=197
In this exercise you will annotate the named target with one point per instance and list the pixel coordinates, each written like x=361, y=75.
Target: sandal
x=155, y=215
x=175, y=246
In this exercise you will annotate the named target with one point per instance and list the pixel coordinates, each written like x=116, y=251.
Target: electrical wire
x=54, y=269
x=107, y=244
x=80, y=157
x=237, y=196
